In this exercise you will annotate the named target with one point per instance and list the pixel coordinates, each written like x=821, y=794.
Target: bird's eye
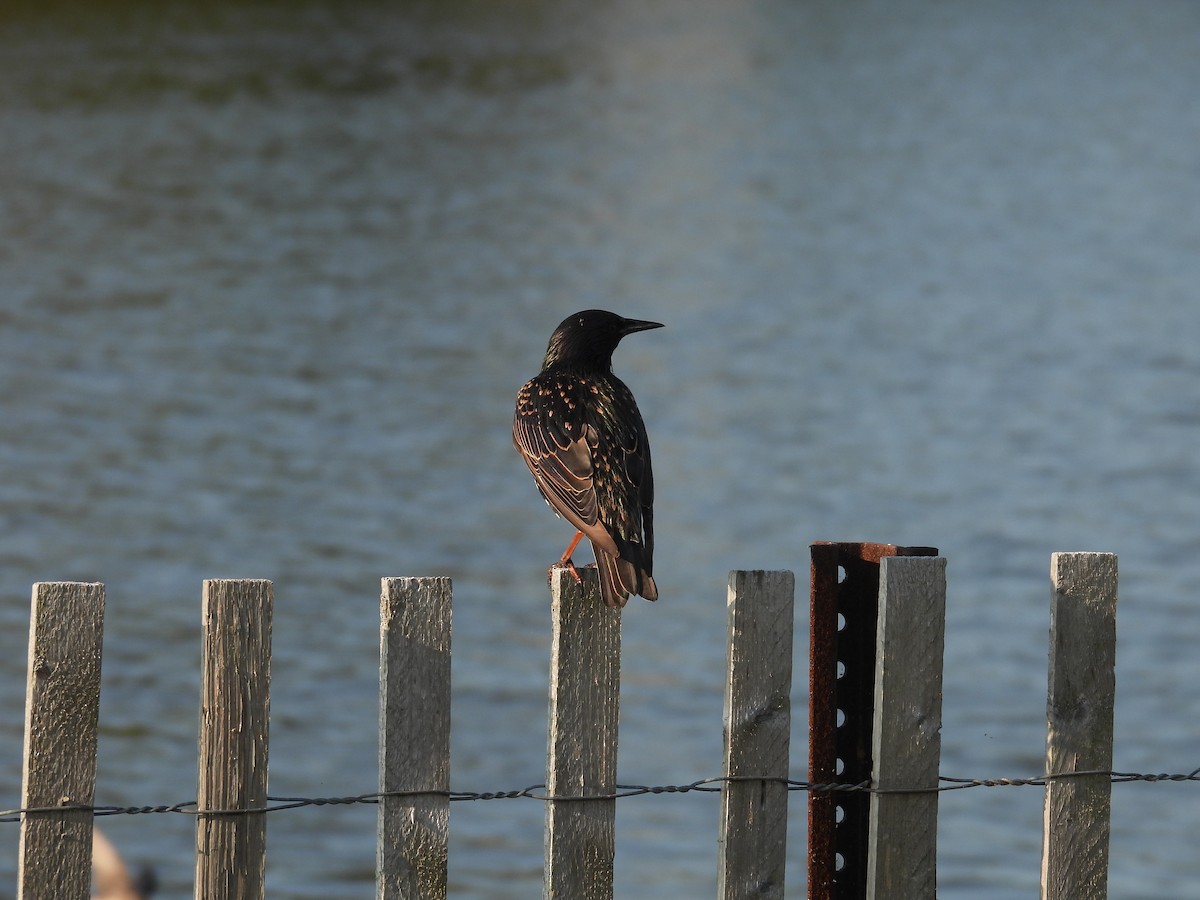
x=581, y=321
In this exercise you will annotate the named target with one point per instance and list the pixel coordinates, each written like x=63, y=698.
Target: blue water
x=270, y=277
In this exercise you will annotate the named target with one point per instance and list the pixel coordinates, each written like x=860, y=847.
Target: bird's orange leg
x=565, y=559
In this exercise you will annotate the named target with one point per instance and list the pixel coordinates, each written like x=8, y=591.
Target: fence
x=877, y=615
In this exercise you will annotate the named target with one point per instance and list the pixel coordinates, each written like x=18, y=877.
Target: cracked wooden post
x=62, y=708
x=1079, y=734
x=585, y=687
x=414, y=738
x=235, y=705
x=752, y=842
x=907, y=728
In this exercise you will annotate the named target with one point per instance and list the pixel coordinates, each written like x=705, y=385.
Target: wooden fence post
x=235, y=706
x=1079, y=713
x=585, y=686
x=907, y=729
x=752, y=843
x=414, y=738
x=62, y=706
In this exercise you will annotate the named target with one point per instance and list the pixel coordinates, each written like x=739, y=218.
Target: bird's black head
x=587, y=339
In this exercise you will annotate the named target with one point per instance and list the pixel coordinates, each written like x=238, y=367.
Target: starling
x=579, y=431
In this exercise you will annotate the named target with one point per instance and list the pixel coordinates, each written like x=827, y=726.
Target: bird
x=579, y=431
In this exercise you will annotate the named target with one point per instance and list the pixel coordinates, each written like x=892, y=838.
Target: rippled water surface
x=270, y=276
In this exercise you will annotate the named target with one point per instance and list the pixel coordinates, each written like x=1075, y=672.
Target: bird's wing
x=558, y=452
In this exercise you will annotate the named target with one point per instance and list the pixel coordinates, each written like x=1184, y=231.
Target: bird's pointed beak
x=632, y=325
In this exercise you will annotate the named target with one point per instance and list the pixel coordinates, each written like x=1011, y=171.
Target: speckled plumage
x=579, y=430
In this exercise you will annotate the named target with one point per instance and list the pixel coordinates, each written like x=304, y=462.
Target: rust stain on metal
x=845, y=587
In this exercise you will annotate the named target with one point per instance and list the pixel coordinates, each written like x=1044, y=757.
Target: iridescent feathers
x=579, y=430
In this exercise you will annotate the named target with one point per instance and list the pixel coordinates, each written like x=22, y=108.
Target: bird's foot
x=564, y=564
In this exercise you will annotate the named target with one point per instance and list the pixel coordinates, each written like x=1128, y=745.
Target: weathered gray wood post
x=1079, y=735
x=907, y=728
x=585, y=687
x=414, y=738
x=752, y=842
x=235, y=704
x=62, y=707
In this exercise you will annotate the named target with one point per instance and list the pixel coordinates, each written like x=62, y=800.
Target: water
x=270, y=276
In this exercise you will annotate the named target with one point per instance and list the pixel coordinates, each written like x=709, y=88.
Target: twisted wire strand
x=622, y=791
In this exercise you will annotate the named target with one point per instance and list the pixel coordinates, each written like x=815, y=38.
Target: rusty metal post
x=843, y=616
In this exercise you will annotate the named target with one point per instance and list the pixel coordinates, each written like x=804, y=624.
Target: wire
x=621, y=792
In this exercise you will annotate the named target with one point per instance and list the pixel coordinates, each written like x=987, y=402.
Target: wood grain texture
x=61, y=716
x=585, y=686
x=1079, y=731
x=752, y=841
x=906, y=733
x=414, y=738
x=235, y=707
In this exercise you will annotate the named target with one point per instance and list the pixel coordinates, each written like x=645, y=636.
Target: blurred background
x=271, y=274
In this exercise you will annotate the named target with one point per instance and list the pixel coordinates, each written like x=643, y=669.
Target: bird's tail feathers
x=620, y=577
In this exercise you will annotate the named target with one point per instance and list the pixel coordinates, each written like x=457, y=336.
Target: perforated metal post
x=843, y=617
